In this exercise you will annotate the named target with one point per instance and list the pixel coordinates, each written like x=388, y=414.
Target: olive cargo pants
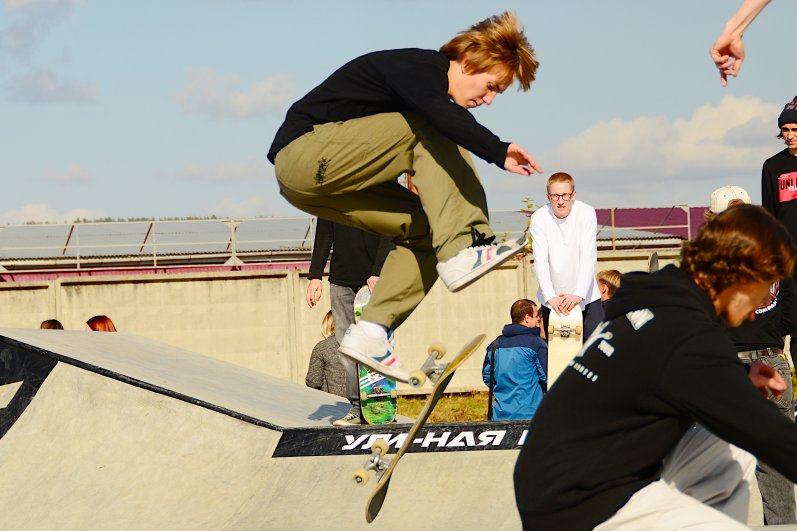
x=347, y=172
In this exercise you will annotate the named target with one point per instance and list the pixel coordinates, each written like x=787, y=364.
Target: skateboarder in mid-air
x=342, y=146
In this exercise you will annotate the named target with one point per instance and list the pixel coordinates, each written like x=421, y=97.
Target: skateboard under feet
x=378, y=462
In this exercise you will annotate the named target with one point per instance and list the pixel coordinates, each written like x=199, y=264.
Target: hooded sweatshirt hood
x=669, y=287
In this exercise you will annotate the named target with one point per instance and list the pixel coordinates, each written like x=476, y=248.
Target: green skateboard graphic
x=378, y=397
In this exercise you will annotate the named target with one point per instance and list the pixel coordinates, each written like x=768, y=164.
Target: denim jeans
x=777, y=492
x=341, y=299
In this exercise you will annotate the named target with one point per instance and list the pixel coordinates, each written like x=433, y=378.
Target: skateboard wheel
x=579, y=330
x=393, y=394
x=363, y=396
x=380, y=446
x=417, y=378
x=438, y=349
x=360, y=476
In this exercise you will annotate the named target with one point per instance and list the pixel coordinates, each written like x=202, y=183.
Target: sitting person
x=608, y=282
x=100, y=323
x=516, y=365
x=326, y=372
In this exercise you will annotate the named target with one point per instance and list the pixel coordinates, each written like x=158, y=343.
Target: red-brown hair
x=742, y=244
x=101, y=323
x=498, y=41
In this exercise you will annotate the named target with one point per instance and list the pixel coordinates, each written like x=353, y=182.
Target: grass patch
x=454, y=407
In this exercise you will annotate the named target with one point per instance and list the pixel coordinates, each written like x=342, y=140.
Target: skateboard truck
x=376, y=462
x=430, y=369
x=564, y=330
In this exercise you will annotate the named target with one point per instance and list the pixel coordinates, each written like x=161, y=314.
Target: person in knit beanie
x=779, y=181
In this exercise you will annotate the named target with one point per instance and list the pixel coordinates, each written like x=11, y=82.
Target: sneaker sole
x=373, y=365
x=479, y=272
x=340, y=424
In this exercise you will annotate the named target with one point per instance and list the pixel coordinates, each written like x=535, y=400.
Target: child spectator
x=326, y=372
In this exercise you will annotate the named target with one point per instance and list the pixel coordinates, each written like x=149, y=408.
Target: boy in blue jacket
x=519, y=365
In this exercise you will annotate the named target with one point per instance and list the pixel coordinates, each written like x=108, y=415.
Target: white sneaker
x=472, y=263
x=374, y=353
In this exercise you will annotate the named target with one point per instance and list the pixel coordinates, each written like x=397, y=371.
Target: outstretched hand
x=519, y=161
x=728, y=55
x=766, y=379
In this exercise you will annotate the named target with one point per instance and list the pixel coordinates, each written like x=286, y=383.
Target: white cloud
x=232, y=172
x=42, y=86
x=35, y=18
x=75, y=174
x=653, y=160
x=40, y=212
x=217, y=94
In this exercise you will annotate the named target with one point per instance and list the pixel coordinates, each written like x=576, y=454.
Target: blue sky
x=166, y=109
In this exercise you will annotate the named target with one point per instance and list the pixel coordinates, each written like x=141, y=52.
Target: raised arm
x=728, y=51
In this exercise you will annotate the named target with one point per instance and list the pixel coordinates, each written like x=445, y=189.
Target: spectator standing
x=779, y=182
x=563, y=239
x=516, y=364
x=357, y=258
x=763, y=339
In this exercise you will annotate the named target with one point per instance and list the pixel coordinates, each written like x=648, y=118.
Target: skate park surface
x=115, y=431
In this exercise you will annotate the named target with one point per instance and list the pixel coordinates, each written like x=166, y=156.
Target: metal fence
x=236, y=242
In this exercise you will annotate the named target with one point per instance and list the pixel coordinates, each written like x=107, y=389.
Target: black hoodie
x=659, y=362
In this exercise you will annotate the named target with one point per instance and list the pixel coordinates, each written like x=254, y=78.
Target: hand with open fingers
x=766, y=379
x=728, y=55
x=519, y=161
x=314, y=291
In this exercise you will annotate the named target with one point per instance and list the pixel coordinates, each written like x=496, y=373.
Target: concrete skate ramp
x=114, y=431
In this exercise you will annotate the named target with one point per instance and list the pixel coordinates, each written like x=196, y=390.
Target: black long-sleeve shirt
x=356, y=254
x=772, y=321
x=391, y=81
x=660, y=361
x=779, y=189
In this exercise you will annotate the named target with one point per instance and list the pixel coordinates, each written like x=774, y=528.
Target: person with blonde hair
x=325, y=371
x=608, y=282
x=564, y=242
x=341, y=148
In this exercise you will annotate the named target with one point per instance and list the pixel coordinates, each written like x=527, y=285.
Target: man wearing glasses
x=563, y=238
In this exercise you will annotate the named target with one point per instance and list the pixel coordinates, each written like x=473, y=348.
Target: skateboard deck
x=653, y=262
x=565, y=337
x=378, y=396
x=384, y=466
